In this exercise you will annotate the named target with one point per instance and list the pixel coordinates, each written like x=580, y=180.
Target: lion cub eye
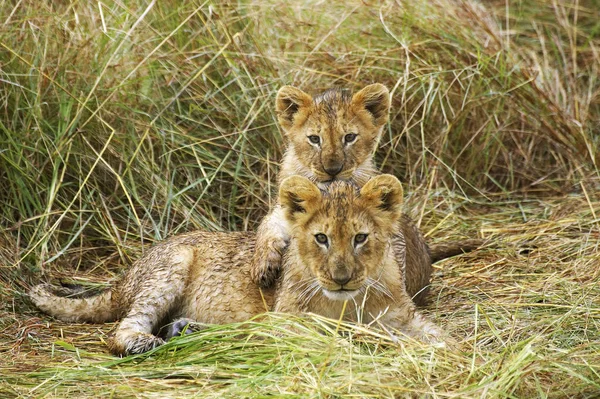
x=349, y=138
x=314, y=139
x=360, y=238
x=321, y=238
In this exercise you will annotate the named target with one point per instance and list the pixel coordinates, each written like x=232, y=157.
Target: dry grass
x=121, y=124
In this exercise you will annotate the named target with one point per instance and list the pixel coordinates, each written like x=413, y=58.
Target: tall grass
x=124, y=123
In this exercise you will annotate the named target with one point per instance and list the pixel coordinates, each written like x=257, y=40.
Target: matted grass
x=122, y=124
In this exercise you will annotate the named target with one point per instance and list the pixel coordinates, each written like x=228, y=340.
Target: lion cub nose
x=341, y=278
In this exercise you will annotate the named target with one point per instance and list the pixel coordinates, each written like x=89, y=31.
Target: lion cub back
x=219, y=288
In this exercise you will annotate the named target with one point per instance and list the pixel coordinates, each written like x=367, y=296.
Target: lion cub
x=344, y=246
x=331, y=137
x=340, y=249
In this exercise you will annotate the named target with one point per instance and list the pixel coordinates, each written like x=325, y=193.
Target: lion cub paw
x=182, y=326
x=266, y=264
x=131, y=342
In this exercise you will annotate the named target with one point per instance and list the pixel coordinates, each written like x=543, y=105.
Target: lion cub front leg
x=272, y=238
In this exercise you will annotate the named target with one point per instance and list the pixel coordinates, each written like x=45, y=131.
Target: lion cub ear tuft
x=298, y=195
x=290, y=103
x=375, y=99
x=384, y=192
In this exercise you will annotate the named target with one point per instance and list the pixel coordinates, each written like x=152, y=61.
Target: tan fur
x=331, y=116
x=205, y=277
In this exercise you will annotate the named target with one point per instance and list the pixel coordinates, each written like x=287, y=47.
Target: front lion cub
x=340, y=249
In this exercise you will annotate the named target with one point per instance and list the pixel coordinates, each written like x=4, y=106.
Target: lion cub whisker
x=312, y=287
x=316, y=288
x=379, y=287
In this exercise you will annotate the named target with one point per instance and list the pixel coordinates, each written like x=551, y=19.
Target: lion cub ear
x=292, y=105
x=298, y=195
x=383, y=193
x=375, y=99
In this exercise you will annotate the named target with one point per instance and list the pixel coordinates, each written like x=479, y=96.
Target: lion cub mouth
x=340, y=295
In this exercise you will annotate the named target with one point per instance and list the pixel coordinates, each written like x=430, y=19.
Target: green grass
x=125, y=123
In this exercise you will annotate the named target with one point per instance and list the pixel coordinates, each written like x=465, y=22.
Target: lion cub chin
x=340, y=250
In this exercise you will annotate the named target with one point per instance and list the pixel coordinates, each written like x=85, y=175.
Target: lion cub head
x=333, y=134
x=342, y=235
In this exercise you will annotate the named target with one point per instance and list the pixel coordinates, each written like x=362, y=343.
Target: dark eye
x=349, y=138
x=360, y=238
x=314, y=139
x=321, y=238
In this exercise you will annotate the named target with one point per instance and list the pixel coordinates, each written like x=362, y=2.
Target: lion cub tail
x=56, y=302
x=442, y=251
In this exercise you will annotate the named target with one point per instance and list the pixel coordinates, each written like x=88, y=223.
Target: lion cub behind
x=340, y=250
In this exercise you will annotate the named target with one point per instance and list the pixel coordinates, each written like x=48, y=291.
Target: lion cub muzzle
x=340, y=283
x=341, y=276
